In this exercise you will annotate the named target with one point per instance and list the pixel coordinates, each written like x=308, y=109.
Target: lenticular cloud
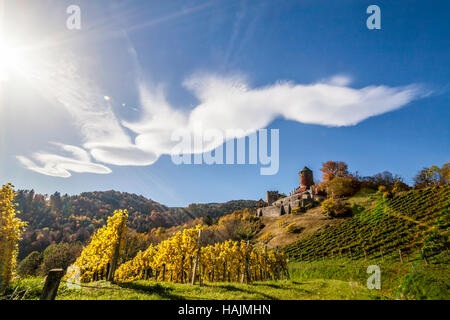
x=224, y=103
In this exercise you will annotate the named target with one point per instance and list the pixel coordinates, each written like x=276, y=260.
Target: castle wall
x=284, y=206
x=271, y=211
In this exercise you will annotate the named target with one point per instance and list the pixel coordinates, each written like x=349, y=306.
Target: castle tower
x=272, y=196
x=306, y=178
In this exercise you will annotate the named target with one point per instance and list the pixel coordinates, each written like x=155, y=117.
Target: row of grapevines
x=174, y=259
x=98, y=255
x=11, y=229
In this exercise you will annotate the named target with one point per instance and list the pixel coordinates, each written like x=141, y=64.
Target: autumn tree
x=432, y=176
x=343, y=186
x=336, y=208
x=332, y=169
x=400, y=186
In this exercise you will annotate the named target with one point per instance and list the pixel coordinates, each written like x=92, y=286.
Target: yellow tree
x=11, y=229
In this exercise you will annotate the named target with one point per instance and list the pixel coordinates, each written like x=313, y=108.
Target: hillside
x=411, y=221
x=63, y=218
x=274, y=232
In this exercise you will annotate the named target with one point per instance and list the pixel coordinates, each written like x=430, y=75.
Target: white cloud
x=60, y=166
x=338, y=80
x=224, y=103
x=230, y=103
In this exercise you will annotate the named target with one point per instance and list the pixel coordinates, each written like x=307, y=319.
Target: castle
x=300, y=199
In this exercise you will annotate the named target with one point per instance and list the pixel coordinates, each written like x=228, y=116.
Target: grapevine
x=173, y=260
x=11, y=229
x=97, y=257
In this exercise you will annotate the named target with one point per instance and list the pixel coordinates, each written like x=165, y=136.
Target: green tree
x=60, y=255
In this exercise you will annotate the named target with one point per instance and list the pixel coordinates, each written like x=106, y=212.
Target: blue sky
x=163, y=62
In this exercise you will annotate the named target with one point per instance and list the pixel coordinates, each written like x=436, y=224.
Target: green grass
x=269, y=290
x=412, y=279
x=309, y=280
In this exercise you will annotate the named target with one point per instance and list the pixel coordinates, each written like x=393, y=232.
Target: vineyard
x=179, y=259
x=412, y=222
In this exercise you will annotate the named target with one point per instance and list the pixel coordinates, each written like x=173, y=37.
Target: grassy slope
x=308, y=223
x=273, y=290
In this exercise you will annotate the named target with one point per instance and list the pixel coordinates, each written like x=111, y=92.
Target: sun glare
x=14, y=60
x=8, y=60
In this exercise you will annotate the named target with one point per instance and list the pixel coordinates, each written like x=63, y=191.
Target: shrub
x=343, y=186
x=246, y=232
x=387, y=195
x=336, y=208
x=400, y=186
x=292, y=228
x=265, y=238
x=425, y=284
x=60, y=255
x=30, y=265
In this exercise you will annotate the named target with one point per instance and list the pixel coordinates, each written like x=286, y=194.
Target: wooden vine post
x=246, y=271
x=224, y=271
x=164, y=272
x=51, y=284
x=424, y=258
x=400, y=254
x=116, y=253
x=197, y=262
x=182, y=269
x=265, y=262
x=287, y=269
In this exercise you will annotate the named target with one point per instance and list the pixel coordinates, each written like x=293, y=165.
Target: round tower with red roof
x=306, y=178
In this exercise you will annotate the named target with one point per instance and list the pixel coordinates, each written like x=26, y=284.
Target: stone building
x=272, y=196
x=302, y=197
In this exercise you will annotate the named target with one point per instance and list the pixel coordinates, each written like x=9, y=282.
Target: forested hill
x=63, y=218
